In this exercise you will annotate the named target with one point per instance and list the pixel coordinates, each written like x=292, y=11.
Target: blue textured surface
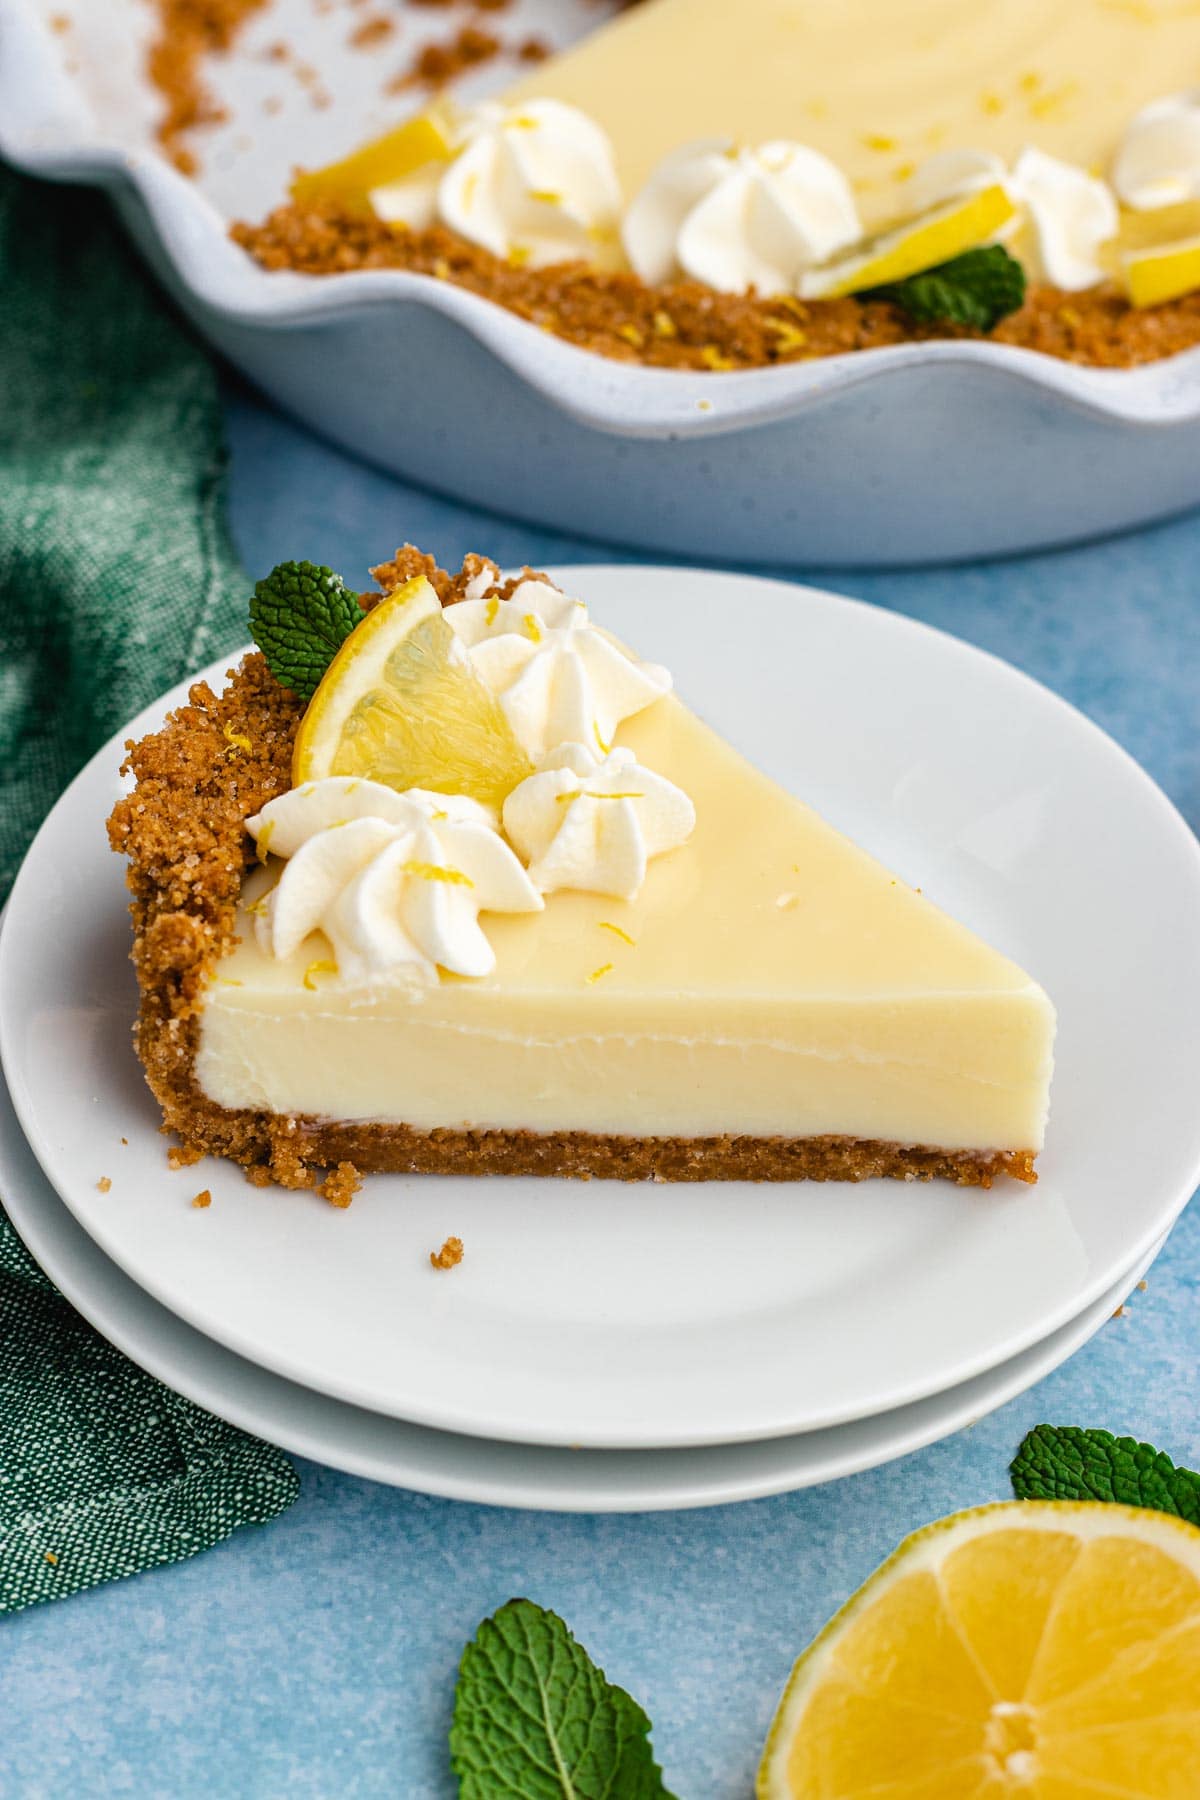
x=317, y=1656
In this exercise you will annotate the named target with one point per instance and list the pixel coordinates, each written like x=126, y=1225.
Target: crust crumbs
x=203, y=1198
x=684, y=325
x=450, y=1254
x=340, y=1185
x=188, y=31
x=104, y=1185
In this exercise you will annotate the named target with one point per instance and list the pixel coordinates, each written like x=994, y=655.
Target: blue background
x=316, y=1656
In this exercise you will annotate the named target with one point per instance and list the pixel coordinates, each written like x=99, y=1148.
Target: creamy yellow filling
x=770, y=978
x=877, y=84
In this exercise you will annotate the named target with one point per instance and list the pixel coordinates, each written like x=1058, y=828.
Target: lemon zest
x=598, y=974
x=263, y=841
x=547, y=196
x=533, y=627
x=228, y=981
x=321, y=967
x=664, y=325
x=424, y=871
x=876, y=140
x=493, y=607
x=607, y=925
x=712, y=358
x=236, y=740
x=605, y=748
x=788, y=337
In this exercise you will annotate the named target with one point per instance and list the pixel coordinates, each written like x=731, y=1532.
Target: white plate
x=644, y=1316
x=901, y=454
x=472, y=1468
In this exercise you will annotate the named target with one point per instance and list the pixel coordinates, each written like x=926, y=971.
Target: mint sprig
x=1065, y=1462
x=535, y=1719
x=976, y=289
x=299, y=616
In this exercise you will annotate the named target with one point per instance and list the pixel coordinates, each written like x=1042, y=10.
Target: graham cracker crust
x=685, y=325
x=222, y=757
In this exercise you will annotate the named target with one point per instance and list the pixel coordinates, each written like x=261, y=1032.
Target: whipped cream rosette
x=536, y=183
x=593, y=823
x=396, y=882
x=557, y=678
x=1158, y=162
x=1067, y=213
x=740, y=219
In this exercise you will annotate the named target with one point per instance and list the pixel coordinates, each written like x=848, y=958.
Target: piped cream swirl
x=535, y=184
x=1158, y=162
x=558, y=678
x=593, y=823
x=740, y=219
x=396, y=882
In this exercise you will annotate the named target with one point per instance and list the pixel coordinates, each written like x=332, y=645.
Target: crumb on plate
x=340, y=1185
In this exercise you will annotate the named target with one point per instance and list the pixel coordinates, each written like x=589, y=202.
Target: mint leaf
x=978, y=289
x=299, y=615
x=1065, y=1462
x=535, y=1719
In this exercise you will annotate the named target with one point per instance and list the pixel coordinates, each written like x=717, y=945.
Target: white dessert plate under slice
x=472, y=1468
x=645, y=1316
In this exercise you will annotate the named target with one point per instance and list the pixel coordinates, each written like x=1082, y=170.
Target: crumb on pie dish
x=477, y=893
x=969, y=175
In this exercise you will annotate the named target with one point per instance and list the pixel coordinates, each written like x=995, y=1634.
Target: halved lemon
x=1162, y=271
x=429, y=137
x=401, y=703
x=1038, y=1650
x=931, y=238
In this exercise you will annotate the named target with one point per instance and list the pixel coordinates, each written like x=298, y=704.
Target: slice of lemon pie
x=497, y=901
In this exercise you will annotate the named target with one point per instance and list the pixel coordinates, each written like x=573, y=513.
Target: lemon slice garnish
x=401, y=703
x=1162, y=272
x=1034, y=1650
x=931, y=238
x=430, y=137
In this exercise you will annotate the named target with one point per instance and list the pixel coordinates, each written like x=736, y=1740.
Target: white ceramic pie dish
x=915, y=453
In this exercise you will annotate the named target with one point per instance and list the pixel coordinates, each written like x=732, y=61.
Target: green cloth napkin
x=117, y=578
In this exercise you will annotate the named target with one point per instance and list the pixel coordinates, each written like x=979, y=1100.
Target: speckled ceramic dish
x=913, y=453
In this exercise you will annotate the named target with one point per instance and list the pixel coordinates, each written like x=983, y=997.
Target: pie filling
x=760, y=999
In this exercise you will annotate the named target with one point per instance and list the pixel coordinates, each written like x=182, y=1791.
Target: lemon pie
x=632, y=196
x=498, y=901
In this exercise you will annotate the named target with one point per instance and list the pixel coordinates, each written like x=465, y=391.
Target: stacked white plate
x=609, y=1346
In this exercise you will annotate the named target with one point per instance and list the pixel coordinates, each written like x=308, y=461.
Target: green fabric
x=117, y=578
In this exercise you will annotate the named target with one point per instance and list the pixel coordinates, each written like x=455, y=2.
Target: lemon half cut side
x=401, y=703
x=1038, y=1650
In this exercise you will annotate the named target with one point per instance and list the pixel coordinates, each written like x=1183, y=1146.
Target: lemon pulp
x=1045, y=1651
x=400, y=703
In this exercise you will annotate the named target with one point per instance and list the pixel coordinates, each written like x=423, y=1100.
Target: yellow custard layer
x=770, y=979
x=878, y=85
